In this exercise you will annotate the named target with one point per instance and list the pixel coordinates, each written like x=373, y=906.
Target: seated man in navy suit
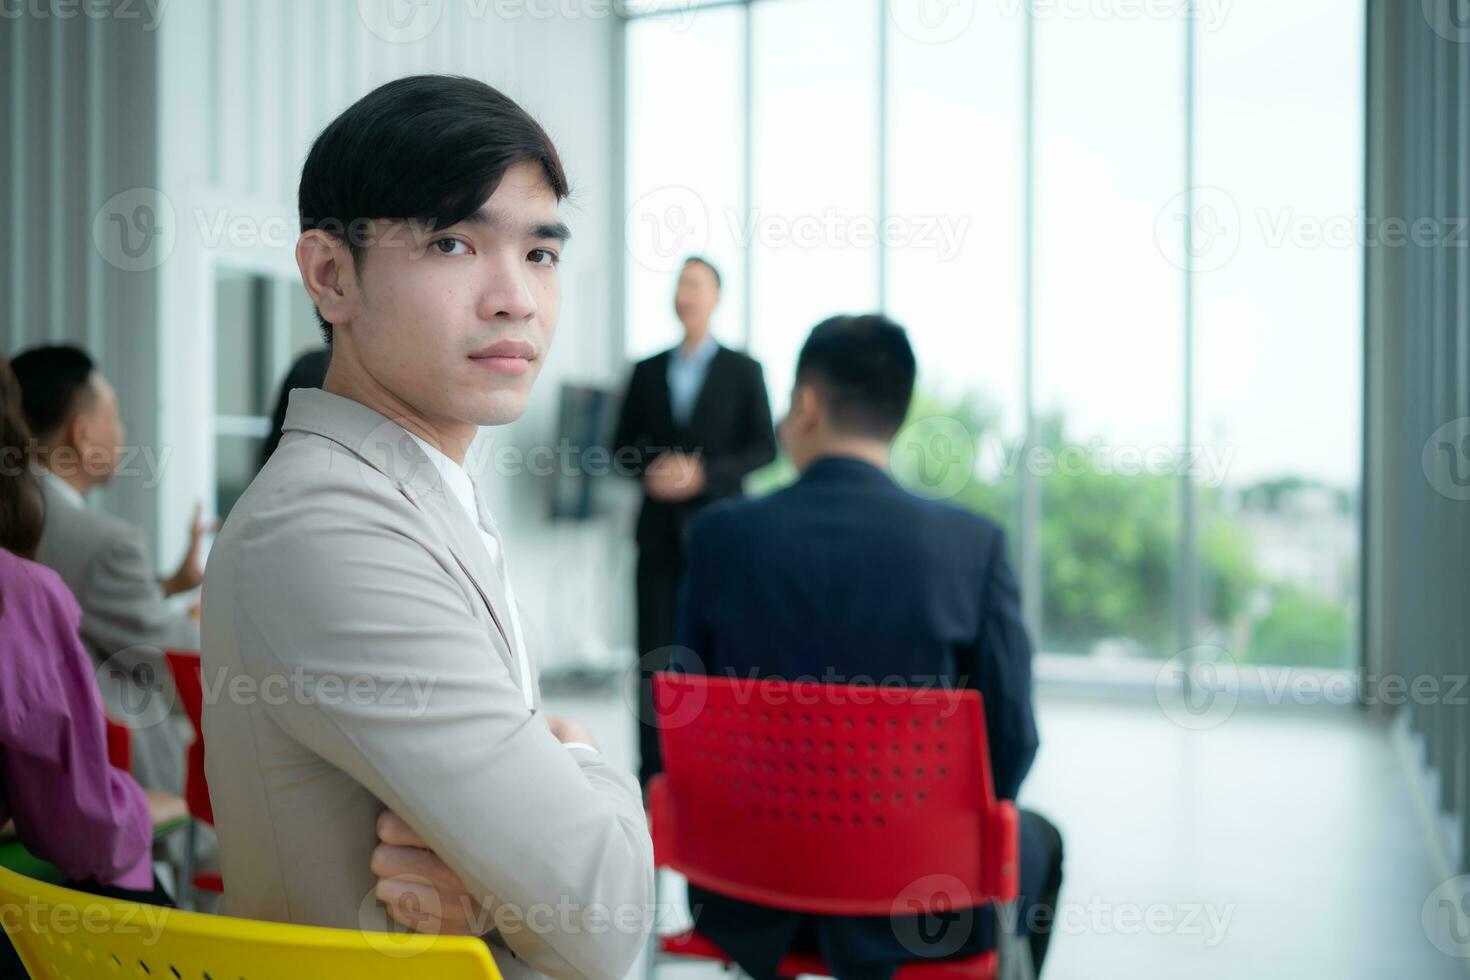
x=846, y=575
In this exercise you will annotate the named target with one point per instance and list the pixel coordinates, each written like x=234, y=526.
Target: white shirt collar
x=702, y=351
x=67, y=491
x=455, y=476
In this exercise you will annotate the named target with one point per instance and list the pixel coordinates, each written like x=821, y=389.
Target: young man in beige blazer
x=359, y=620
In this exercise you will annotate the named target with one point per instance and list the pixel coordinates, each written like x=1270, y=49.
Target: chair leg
x=650, y=947
x=650, y=955
x=186, y=873
x=1025, y=970
x=1011, y=945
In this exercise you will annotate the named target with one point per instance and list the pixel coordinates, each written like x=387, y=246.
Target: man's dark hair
x=429, y=148
x=55, y=383
x=863, y=368
x=701, y=260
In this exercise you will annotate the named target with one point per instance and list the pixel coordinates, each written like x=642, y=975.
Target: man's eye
x=543, y=256
x=448, y=246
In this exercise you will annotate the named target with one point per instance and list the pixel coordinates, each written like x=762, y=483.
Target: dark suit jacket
x=730, y=427
x=842, y=576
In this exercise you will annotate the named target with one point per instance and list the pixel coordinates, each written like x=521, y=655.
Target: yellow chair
x=61, y=933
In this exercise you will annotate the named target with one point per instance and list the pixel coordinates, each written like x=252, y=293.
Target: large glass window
x=1278, y=377
x=814, y=174
x=1109, y=122
x=953, y=272
x=1187, y=421
x=685, y=173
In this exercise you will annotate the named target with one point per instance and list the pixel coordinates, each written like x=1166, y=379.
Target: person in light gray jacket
x=127, y=621
x=364, y=659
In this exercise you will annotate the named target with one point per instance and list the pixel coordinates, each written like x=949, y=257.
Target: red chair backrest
x=185, y=666
x=119, y=746
x=831, y=799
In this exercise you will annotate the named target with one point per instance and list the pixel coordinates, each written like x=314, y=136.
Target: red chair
x=833, y=800
x=167, y=811
x=119, y=746
x=188, y=681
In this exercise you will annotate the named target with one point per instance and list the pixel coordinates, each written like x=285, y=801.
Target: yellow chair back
x=61, y=933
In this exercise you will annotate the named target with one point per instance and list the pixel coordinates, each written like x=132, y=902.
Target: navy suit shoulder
x=724, y=514
x=844, y=568
x=783, y=511
x=986, y=535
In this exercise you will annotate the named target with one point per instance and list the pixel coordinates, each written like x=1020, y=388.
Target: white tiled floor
x=1293, y=829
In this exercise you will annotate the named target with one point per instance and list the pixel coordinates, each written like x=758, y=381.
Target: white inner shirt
x=463, y=487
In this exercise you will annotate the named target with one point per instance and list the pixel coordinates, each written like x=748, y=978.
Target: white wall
x=212, y=106
x=77, y=121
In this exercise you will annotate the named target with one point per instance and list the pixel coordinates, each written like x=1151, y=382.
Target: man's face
x=697, y=294
x=97, y=432
x=456, y=323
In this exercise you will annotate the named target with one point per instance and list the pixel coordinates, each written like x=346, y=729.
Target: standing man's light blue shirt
x=686, y=377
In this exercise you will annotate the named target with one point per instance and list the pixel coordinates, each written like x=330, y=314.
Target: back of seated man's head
x=72, y=412
x=854, y=381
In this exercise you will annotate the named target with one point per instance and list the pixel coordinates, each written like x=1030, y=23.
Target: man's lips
x=504, y=365
x=506, y=357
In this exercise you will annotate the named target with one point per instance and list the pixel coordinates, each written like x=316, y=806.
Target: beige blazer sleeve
x=340, y=593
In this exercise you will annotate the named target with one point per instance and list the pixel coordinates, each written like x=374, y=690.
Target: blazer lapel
x=463, y=537
x=662, y=407
x=707, y=395
x=387, y=447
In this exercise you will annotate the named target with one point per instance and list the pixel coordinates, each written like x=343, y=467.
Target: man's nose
x=508, y=295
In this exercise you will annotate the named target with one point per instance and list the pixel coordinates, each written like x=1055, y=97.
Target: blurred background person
x=695, y=420
x=74, y=415
x=59, y=793
x=847, y=577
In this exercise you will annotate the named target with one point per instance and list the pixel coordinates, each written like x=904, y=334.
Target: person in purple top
x=69, y=806
x=68, y=803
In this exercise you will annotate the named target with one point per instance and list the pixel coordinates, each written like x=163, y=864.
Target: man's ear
x=328, y=274
x=807, y=408
x=76, y=432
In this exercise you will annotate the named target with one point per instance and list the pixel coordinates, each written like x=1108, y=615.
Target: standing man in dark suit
x=695, y=421
x=846, y=577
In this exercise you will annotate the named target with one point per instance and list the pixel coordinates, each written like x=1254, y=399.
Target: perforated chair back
x=831, y=799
